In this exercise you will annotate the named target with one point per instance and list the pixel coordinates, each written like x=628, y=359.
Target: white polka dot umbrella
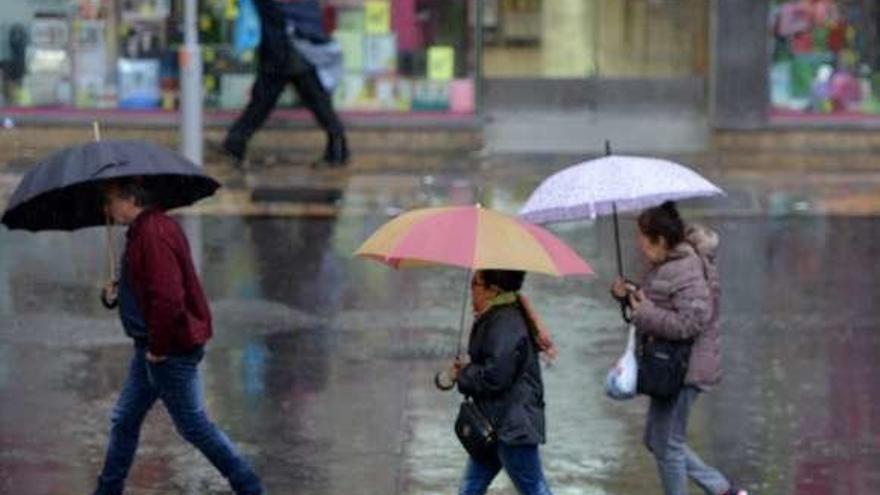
x=610, y=184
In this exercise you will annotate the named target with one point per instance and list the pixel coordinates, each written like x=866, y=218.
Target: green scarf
x=503, y=299
x=506, y=298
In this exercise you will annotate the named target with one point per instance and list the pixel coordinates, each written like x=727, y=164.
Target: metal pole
x=616, y=225
x=464, y=300
x=478, y=57
x=191, y=99
x=624, y=307
x=617, y=240
x=190, y=58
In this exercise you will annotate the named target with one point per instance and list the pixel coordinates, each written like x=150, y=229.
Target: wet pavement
x=321, y=368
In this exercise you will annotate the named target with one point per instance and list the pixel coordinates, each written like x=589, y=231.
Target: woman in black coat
x=503, y=378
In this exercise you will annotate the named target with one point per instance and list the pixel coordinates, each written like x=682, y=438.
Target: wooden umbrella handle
x=108, y=292
x=111, y=254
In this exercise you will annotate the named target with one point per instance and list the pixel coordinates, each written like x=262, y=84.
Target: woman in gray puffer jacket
x=679, y=300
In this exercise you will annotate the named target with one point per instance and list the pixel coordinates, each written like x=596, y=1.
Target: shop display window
x=399, y=55
x=825, y=57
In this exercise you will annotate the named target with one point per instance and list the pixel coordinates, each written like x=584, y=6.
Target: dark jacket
x=504, y=376
x=275, y=17
x=165, y=284
x=306, y=17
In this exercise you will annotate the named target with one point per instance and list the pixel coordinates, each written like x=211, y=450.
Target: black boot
x=234, y=149
x=319, y=102
x=336, y=152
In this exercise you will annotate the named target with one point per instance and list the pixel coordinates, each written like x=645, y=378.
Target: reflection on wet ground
x=321, y=367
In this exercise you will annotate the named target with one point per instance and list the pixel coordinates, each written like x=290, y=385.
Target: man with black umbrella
x=293, y=45
x=164, y=310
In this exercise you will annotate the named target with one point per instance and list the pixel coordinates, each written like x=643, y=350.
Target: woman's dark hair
x=506, y=280
x=662, y=221
x=132, y=187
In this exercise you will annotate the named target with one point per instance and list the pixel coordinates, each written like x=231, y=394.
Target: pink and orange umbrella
x=471, y=237
x=474, y=238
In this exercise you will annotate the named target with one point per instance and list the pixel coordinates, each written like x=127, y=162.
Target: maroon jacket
x=166, y=285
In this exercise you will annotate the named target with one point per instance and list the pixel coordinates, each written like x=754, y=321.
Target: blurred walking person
x=294, y=49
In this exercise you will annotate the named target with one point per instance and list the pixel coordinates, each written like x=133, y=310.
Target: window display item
x=139, y=83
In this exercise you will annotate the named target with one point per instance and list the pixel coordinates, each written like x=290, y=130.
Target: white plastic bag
x=620, y=384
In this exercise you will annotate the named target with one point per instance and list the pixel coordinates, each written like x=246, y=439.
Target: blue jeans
x=522, y=463
x=176, y=382
x=666, y=436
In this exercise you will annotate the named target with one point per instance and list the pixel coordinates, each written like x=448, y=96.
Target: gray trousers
x=666, y=436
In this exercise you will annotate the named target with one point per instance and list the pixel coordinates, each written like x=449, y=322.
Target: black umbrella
x=63, y=192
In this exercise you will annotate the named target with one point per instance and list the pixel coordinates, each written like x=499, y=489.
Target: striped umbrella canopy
x=471, y=237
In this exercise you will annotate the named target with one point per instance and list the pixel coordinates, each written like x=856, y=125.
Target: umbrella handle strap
x=626, y=311
x=439, y=383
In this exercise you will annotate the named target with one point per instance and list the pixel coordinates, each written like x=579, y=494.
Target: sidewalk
x=764, y=173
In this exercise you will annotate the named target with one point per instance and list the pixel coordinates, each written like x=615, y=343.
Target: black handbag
x=475, y=432
x=663, y=365
x=473, y=428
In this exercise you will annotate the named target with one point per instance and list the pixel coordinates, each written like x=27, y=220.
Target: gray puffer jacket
x=504, y=377
x=683, y=301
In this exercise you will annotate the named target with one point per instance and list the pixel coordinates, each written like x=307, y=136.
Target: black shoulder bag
x=663, y=365
x=473, y=429
x=476, y=433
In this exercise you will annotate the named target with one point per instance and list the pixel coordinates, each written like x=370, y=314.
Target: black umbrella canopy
x=63, y=192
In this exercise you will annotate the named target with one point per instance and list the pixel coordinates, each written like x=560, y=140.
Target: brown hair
x=662, y=221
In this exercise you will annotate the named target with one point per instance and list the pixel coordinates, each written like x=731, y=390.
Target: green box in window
x=380, y=54
x=351, y=20
x=352, y=45
x=820, y=38
x=377, y=17
x=441, y=63
x=803, y=72
x=428, y=95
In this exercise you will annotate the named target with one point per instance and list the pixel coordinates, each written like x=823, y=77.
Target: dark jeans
x=264, y=95
x=176, y=382
x=522, y=463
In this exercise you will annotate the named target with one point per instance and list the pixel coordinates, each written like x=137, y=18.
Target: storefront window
x=399, y=55
x=588, y=38
x=825, y=57
x=405, y=55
